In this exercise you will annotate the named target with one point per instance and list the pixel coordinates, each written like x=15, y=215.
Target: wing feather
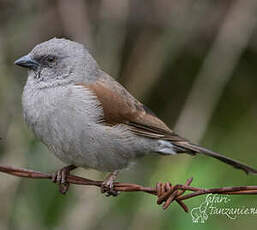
x=120, y=107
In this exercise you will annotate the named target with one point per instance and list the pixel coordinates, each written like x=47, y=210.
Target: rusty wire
x=166, y=193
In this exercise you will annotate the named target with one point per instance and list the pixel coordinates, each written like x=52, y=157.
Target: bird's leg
x=60, y=178
x=107, y=185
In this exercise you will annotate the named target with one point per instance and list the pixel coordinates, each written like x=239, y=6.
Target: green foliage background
x=194, y=63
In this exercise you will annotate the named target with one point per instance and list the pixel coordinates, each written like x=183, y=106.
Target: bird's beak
x=27, y=62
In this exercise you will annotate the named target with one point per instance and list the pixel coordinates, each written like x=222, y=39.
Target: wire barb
x=165, y=192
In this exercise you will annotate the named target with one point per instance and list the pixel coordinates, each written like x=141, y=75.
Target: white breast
x=58, y=115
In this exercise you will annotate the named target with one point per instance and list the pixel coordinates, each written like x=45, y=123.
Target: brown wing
x=120, y=107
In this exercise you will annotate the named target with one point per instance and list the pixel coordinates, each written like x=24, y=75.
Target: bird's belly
x=76, y=140
x=92, y=147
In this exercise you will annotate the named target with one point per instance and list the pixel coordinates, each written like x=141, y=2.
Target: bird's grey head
x=58, y=62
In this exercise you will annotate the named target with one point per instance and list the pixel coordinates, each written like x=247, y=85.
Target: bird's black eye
x=51, y=59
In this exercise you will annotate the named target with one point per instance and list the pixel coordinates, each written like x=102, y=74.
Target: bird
x=89, y=120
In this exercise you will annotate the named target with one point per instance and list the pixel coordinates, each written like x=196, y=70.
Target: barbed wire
x=166, y=193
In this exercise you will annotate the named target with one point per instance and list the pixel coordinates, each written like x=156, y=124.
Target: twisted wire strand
x=166, y=193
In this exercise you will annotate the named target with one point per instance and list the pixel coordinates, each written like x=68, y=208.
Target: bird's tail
x=192, y=148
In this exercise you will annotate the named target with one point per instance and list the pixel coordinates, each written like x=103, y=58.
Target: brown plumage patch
x=116, y=109
x=120, y=107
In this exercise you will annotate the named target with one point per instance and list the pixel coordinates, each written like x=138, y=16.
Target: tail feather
x=198, y=149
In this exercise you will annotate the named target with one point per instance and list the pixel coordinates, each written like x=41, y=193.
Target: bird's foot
x=60, y=178
x=107, y=186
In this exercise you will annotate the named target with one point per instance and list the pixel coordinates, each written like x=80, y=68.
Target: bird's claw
x=60, y=178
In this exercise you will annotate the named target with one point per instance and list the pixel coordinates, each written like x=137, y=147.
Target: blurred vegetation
x=194, y=63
